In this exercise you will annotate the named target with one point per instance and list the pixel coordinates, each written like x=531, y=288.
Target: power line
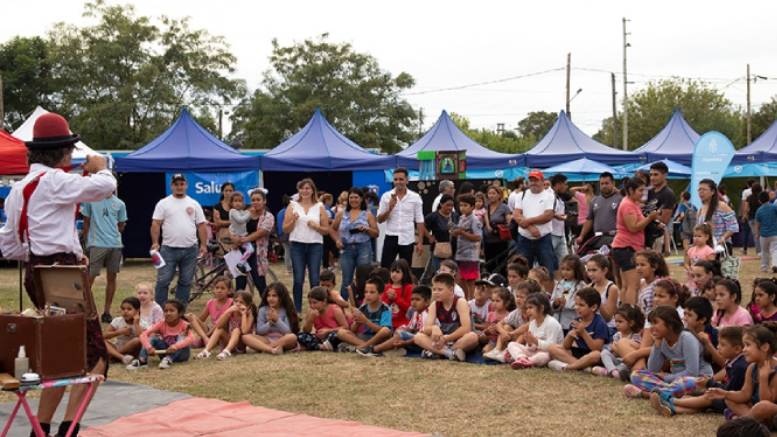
x=489, y=82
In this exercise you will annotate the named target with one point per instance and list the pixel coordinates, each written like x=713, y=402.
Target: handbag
x=730, y=265
x=443, y=249
x=504, y=232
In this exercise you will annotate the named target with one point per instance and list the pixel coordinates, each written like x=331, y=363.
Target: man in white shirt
x=181, y=220
x=50, y=236
x=445, y=187
x=399, y=209
x=533, y=213
x=559, y=233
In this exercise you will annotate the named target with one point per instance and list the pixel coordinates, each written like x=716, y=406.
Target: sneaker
x=428, y=355
x=137, y=364
x=521, y=363
x=557, y=365
x=616, y=374
x=448, y=352
x=663, y=404
x=166, y=363
x=127, y=359
x=460, y=355
x=223, y=355
x=203, y=355
x=494, y=355
x=599, y=371
x=326, y=346
x=345, y=347
x=106, y=318
x=632, y=391
x=366, y=352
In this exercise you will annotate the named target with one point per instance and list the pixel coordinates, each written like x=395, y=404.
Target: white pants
x=768, y=252
x=536, y=356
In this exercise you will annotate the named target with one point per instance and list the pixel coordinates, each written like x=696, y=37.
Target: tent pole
x=21, y=296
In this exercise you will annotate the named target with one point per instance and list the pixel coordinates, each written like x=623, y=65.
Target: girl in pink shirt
x=324, y=318
x=221, y=302
x=502, y=302
x=172, y=336
x=701, y=250
x=728, y=294
x=228, y=330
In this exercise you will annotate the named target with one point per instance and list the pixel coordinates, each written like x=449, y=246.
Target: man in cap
x=181, y=221
x=533, y=214
x=41, y=229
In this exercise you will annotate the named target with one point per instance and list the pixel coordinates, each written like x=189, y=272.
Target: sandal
x=223, y=355
x=203, y=355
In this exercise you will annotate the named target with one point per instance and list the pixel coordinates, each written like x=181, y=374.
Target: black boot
x=46, y=429
x=64, y=426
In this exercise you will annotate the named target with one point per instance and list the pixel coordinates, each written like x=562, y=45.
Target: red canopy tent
x=13, y=155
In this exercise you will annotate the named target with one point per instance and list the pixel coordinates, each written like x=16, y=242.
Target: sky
x=455, y=44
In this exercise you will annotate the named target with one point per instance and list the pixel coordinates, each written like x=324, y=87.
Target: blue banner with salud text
x=205, y=188
x=712, y=154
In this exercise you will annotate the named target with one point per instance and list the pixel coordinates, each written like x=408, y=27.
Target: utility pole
x=221, y=115
x=625, y=90
x=569, y=72
x=614, y=112
x=420, y=121
x=749, y=131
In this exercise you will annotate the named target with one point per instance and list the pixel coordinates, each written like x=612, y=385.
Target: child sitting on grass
x=150, y=311
x=517, y=272
x=730, y=378
x=503, y=303
x=230, y=327
x=480, y=304
x=728, y=295
x=450, y=267
x=541, y=275
x=760, y=385
x=586, y=337
x=172, y=335
x=629, y=322
x=448, y=328
x=516, y=323
x=398, y=291
x=371, y=322
x=672, y=346
x=697, y=319
x=276, y=323
x=213, y=309
x=403, y=336
x=324, y=318
x=543, y=332
x=763, y=305
x=124, y=331
x=328, y=280
x=562, y=300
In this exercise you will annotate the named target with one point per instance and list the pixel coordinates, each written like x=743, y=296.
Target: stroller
x=599, y=243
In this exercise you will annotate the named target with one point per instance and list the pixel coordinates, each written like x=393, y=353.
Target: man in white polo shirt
x=181, y=220
x=533, y=213
x=399, y=209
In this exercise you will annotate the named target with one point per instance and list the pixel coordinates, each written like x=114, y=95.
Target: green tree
x=536, y=124
x=704, y=107
x=357, y=97
x=123, y=79
x=506, y=142
x=764, y=117
x=25, y=70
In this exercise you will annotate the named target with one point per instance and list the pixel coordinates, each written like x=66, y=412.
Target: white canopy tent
x=24, y=133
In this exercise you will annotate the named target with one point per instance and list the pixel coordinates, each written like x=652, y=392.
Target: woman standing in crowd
x=221, y=210
x=717, y=214
x=584, y=194
x=750, y=205
x=497, y=216
x=354, y=228
x=630, y=227
x=439, y=224
x=306, y=221
x=259, y=228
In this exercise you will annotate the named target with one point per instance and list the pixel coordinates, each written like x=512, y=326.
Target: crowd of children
x=687, y=347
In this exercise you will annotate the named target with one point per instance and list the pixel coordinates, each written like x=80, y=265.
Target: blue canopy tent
x=582, y=169
x=320, y=147
x=674, y=142
x=763, y=149
x=675, y=168
x=186, y=146
x=446, y=136
x=566, y=142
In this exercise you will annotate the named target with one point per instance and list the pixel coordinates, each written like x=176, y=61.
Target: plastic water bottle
x=21, y=364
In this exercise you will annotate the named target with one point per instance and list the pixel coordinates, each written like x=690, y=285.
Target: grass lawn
x=452, y=399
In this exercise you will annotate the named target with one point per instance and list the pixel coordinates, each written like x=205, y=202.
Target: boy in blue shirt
x=766, y=228
x=587, y=335
x=371, y=322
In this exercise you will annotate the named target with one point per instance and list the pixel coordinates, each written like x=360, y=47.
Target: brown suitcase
x=55, y=345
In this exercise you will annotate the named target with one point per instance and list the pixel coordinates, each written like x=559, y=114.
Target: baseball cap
x=178, y=177
x=536, y=174
x=492, y=280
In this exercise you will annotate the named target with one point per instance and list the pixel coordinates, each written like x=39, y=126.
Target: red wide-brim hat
x=51, y=131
